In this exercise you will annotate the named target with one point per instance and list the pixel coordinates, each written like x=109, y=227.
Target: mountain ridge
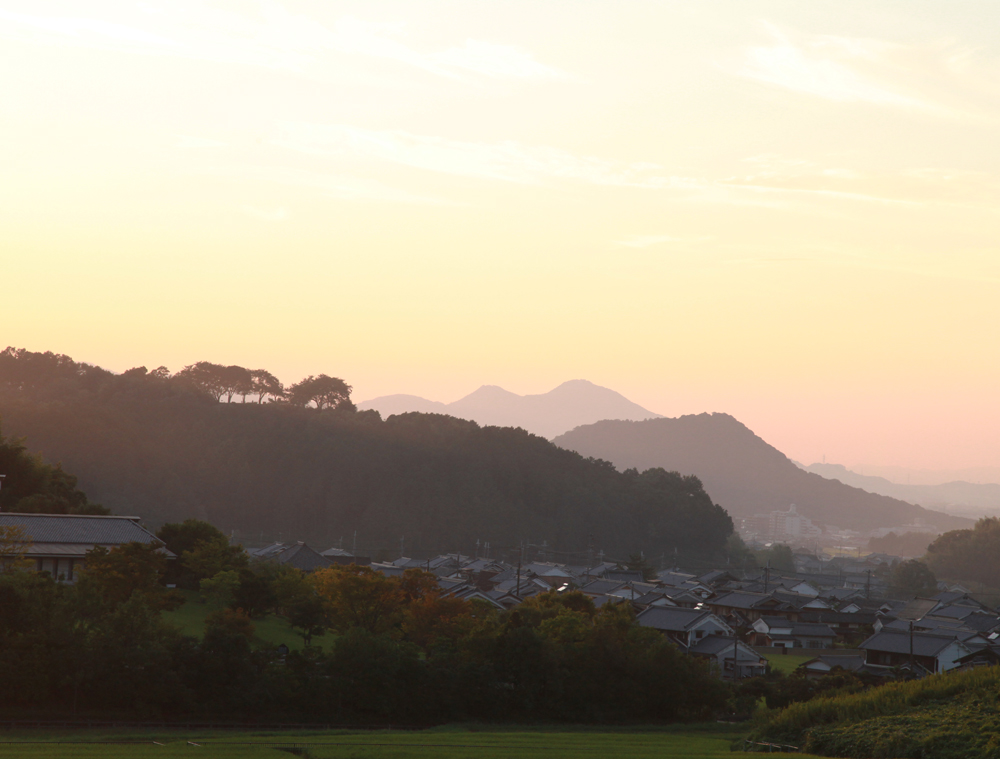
x=981, y=497
x=569, y=405
x=742, y=472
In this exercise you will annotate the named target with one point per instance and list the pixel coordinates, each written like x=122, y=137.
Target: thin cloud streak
x=506, y=161
x=647, y=241
x=283, y=41
x=927, y=78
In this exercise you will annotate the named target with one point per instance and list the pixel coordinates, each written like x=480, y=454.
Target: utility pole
x=767, y=575
x=913, y=670
x=868, y=585
x=736, y=651
x=402, y=553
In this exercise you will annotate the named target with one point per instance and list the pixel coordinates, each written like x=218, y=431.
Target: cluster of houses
x=837, y=609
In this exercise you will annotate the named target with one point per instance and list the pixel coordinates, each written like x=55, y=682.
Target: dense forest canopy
x=162, y=446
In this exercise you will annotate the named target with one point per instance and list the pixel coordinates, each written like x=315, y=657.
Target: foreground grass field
x=709, y=741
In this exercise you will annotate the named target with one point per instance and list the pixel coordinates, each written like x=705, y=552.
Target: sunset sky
x=786, y=211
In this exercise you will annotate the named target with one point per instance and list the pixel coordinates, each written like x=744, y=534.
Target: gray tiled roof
x=600, y=587
x=302, y=557
x=744, y=600
x=671, y=619
x=891, y=641
x=812, y=630
x=953, y=612
x=92, y=530
x=713, y=645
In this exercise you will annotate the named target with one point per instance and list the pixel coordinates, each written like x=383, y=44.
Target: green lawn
x=190, y=618
x=788, y=663
x=699, y=741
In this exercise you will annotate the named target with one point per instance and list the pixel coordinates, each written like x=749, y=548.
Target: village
x=838, y=611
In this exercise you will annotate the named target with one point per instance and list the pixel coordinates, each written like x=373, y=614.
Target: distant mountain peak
x=491, y=391
x=563, y=408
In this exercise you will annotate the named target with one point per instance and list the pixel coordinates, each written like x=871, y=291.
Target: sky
x=784, y=211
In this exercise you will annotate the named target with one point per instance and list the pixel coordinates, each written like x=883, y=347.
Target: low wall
x=811, y=652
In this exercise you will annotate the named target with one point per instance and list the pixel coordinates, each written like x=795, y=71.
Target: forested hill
x=154, y=445
x=743, y=473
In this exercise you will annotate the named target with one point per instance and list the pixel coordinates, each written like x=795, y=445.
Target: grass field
x=709, y=741
x=788, y=663
x=190, y=618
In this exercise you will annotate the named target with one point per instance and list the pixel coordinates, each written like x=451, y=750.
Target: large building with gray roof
x=58, y=543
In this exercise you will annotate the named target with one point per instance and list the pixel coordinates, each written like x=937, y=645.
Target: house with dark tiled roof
x=751, y=606
x=298, y=555
x=933, y=651
x=824, y=664
x=783, y=633
x=58, y=543
x=729, y=658
x=683, y=626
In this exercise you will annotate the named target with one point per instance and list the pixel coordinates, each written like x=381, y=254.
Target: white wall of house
x=711, y=625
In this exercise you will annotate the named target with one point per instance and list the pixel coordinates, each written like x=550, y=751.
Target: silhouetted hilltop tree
x=324, y=391
x=264, y=384
x=165, y=449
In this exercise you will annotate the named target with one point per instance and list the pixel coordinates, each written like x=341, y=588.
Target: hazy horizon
x=781, y=211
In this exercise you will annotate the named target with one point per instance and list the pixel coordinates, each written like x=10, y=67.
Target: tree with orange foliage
x=357, y=596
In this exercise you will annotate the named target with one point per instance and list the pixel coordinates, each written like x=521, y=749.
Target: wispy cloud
x=190, y=142
x=83, y=28
x=276, y=38
x=267, y=214
x=647, y=241
x=505, y=161
x=335, y=186
x=929, y=77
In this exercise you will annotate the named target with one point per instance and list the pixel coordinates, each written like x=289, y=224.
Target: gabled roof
x=838, y=617
x=624, y=575
x=852, y=662
x=917, y=608
x=744, y=600
x=672, y=619
x=267, y=551
x=656, y=595
x=953, y=612
x=898, y=642
x=78, y=528
x=716, y=576
x=301, y=557
x=600, y=587
x=713, y=645
x=776, y=622
x=981, y=622
x=673, y=577
x=337, y=552
x=388, y=570
x=812, y=630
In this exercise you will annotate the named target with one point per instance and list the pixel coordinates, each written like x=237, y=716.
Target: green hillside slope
x=950, y=716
